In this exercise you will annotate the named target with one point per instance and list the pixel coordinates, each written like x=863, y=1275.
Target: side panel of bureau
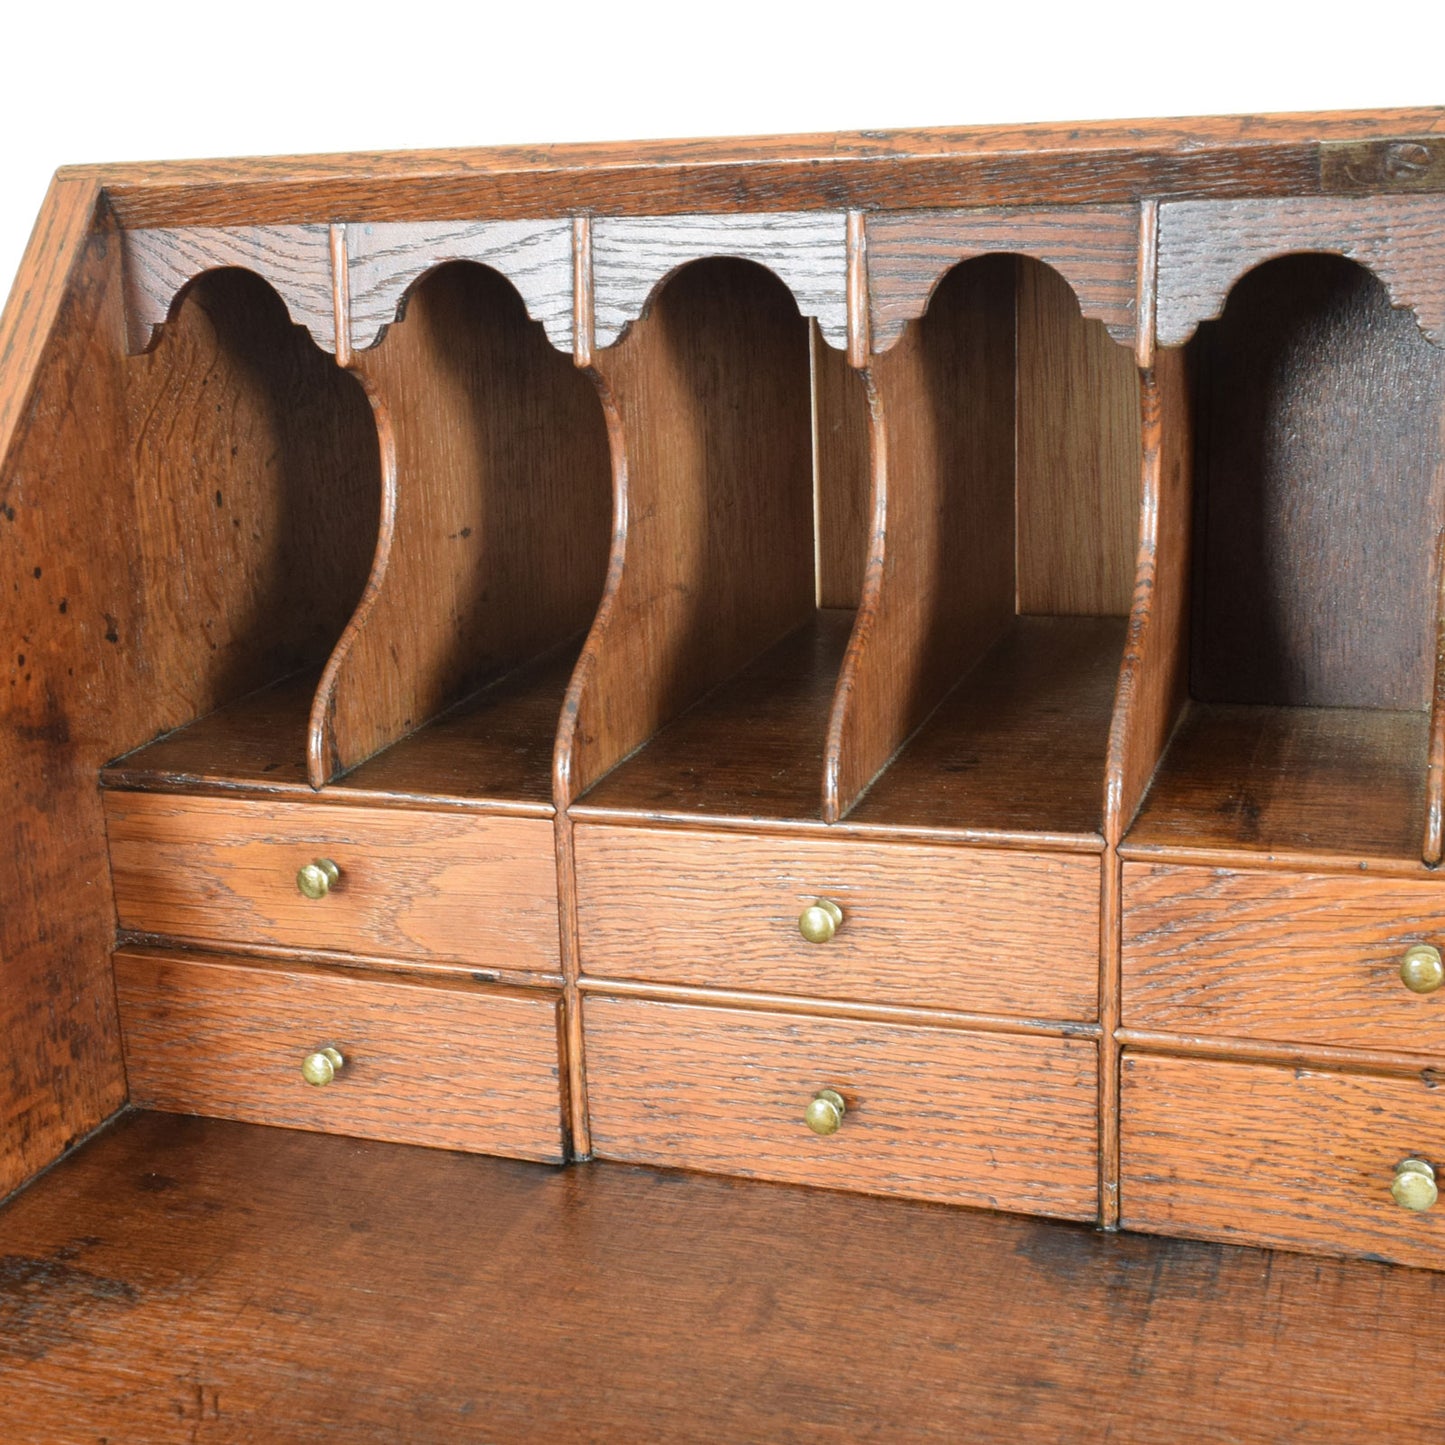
x=454, y=887
x=1293, y=1157
x=455, y=1068
x=1295, y=958
x=971, y=1118
x=965, y=928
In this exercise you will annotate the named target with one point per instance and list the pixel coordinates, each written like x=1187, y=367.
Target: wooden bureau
x=907, y=664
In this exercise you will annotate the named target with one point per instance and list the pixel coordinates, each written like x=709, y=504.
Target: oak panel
x=445, y=886
x=960, y=928
x=1310, y=958
x=933, y=1114
x=454, y=1068
x=1292, y=1157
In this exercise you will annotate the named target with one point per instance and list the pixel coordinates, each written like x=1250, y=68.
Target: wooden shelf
x=751, y=749
x=1331, y=783
x=1018, y=746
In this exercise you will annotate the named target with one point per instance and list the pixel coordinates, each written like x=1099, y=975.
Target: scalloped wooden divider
x=498, y=517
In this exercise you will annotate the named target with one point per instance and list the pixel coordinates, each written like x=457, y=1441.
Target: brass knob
x=322, y=1066
x=824, y=1114
x=819, y=921
x=1421, y=969
x=318, y=878
x=1414, y=1185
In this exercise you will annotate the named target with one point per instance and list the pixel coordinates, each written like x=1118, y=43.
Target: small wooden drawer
x=423, y=1063
x=445, y=887
x=1008, y=1122
x=1293, y=958
x=1264, y=1154
x=985, y=931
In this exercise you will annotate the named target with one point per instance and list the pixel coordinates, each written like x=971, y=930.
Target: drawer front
x=1262, y=1154
x=971, y=1118
x=448, y=887
x=972, y=929
x=422, y=1064
x=1280, y=956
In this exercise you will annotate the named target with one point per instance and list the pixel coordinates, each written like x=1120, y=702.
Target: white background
x=149, y=81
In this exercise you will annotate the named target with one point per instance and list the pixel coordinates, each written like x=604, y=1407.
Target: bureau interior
x=1317, y=508
x=483, y=507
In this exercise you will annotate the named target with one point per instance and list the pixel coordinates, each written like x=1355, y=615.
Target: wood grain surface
x=385, y=259
x=447, y=1066
x=710, y=415
x=957, y=928
x=842, y=476
x=179, y=1279
x=807, y=250
x=1094, y=249
x=294, y=260
x=1297, y=1158
x=1303, y=959
x=1321, y=486
x=1206, y=246
x=933, y=1114
x=454, y=886
x=500, y=517
x=1262, y=783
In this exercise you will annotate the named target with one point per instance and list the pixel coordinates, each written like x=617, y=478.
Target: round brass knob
x=1421, y=969
x=819, y=921
x=318, y=878
x=322, y=1066
x=824, y=1114
x=1414, y=1185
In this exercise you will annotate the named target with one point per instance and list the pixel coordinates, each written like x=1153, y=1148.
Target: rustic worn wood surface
x=940, y=581
x=1295, y=1157
x=1018, y=746
x=711, y=422
x=1258, y=782
x=450, y=886
x=1311, y=958
x=500, y=518
x=294, y=260
x=1206, y=246
x=424, y=1062
x=971, y=1118
x=179, y=1281
x=1321, y=485
x=385, y=259
x=939, y=926
x=1094, y=249
x=806, y=250
x=1093, y=163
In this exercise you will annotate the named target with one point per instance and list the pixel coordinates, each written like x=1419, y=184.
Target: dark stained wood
x=384, y=260
x=1206, y=246
x=1078, y=453
x=499, y=518
x=750, y=749
x=1017, y=746
x=1093, y=163
x=1433, y=848
x=441, y=1064
x=1321, y=482
x=1312, y=958
x=710, y=416
x=843, y=481
x=181, y=1270
x=940, y=581
x=456, y=887
x=1094, y=249
x=294, y=260
x=970, y=1118
x=1295, y=1157
x=806, y=250
x=923, y=926
x=1337, y=784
